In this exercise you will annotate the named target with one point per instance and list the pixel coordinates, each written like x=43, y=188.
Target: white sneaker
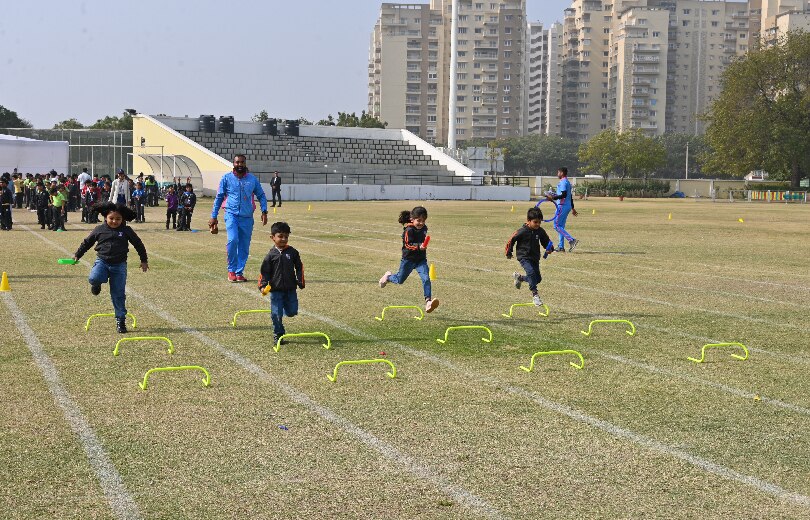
x=384, y=279
x=430, y=305
x=537, y=301
x=572, y=244
x=518, y=281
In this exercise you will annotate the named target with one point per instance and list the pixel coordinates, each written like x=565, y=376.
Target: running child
x=281, y=272
x=527, y=240
x=414, y=256
x=112, y=239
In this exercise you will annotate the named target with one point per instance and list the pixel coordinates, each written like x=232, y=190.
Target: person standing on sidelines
x=275, y=186
x=119, y=192
x=566, y=198
x=239, y=186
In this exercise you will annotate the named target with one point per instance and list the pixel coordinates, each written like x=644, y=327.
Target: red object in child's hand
x=425, y=243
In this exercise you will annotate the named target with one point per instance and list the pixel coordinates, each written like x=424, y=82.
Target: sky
x=62, y=59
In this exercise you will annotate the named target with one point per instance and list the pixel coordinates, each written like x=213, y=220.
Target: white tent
x=32, y=156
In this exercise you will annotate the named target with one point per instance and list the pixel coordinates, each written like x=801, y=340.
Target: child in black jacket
x=112, y=239
x=414, y=245
x=187, y=202
x=281, y=272
x=6, y=201
x=528, y=240
x=41, y=200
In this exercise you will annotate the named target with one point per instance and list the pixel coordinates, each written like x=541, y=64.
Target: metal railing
x=316, y=177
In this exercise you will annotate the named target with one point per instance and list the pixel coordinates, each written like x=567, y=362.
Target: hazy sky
x=64, y=58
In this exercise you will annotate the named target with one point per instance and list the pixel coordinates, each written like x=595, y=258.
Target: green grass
x=461, y=432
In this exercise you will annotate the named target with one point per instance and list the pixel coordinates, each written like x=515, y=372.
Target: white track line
x=605, y=426
x=112, y=485
x=408, y=463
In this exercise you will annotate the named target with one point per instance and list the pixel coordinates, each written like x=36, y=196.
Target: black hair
x=243, y=156
x=189, y=186
x=108, y=207
x=534, y=213
x=564, y=170
x=417, y=212
x=280, y=227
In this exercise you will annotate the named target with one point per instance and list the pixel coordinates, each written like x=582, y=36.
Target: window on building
x=431, y=119
x=507, y=54
x=507, y=43
x=507, y=88
x=506, y=99
x=507, y=77
x=507, y=65
x=507, y=30
x=461, y=30
x=461, y=98
x=656, y=34
x=461, y=131
x=687, y=11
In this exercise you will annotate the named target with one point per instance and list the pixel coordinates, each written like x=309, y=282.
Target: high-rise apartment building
x=653, y=65
x=553, y=90
x=536, y=69
x=780, y=16
x=409, y=68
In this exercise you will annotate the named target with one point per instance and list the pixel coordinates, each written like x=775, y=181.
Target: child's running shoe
x=518, y=280
x=537, y=301
x=121, y=325
x=95, y=289
x=240, y=278
x=431, y=304
x=275, y=340
x=231, y=275
x=572, y=244
x=384, y=279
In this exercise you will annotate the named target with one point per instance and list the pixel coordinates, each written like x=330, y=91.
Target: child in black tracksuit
x=6, y=201
x=112, y=239
x=187, y=202
x=528, y=240
x=283, y=271
x=41, y=201
x=414, y=256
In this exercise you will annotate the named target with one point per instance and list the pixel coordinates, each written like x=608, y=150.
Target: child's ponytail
x=404, y=217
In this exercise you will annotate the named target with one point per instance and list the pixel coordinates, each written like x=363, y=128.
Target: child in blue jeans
x=112, y=239
x=527, y=241
x=414, y=245
x=281, y=272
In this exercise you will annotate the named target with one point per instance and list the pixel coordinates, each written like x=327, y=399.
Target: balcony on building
x=646, y=70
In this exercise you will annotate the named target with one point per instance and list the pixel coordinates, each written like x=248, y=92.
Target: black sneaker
x=95, y=289
x=275, y=340
x=121, y=325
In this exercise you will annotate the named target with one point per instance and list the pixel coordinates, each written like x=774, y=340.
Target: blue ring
x=556, y=208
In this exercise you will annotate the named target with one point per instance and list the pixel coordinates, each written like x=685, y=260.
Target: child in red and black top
x=414, y=245
x=527, y=240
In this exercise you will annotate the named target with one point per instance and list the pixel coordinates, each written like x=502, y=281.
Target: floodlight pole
x=451, y=123
x=687, y=160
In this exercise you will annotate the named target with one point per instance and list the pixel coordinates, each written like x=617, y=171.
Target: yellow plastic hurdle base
x=714, y=345
x=630, y=332
x=108, y=314
x=421, y=316
x=458, y=327
x=392, y=374
x=144, y=338
x=252, y=311
x=326, y=345
x=512, y=308
x=206, y=381
x=552, y=353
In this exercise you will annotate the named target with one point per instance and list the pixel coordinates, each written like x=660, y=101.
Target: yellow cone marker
x=740, y=220
x=309, y=207
x=4, y=283
x=593, y=212
x=669, y=217
x=274, y=211
x=432, y=273
x=513, y=209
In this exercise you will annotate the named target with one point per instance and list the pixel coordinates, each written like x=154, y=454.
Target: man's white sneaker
x=518, y=281
x=537, y=301
x=384, y=279
x=572, y=244
x=430, y=305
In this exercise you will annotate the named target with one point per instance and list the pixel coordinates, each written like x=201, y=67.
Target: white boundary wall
x=323, y=192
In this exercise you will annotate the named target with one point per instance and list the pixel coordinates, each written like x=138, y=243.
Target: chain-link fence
x=100, y=151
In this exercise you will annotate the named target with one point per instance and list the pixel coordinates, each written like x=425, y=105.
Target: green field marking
x=144, y=338
x=326, y=345
x=107, y=314
x=715, y=345
x=233, y=321
x=630, y=332
x=392, y=374
x=512, y=307
x=458, y=327
x=553, y=353
x=206, y=381
x=420, y=317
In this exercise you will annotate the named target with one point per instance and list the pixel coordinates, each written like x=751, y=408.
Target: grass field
x=461, y=432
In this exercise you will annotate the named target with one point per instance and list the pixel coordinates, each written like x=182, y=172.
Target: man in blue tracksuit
x=239, y=187
x=565, y=196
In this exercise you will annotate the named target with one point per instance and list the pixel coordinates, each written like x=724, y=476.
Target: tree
x=260, y=117
x=10, y=119
x=329, y=121
x=114, y=123
x=364, y=121
x=68, y=124
x=760, y=119
x=675, y=146
x=626, y=154
x=600, y=154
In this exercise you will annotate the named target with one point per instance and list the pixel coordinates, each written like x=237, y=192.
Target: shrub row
x=626, y=187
